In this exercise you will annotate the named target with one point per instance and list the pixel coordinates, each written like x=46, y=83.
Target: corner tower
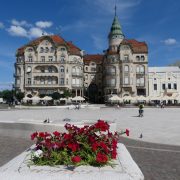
x=116, y=35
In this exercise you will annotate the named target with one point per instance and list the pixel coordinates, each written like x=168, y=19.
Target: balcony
x=77, y=74
x=43, y=85
x=77, y=85
x=171, y=91
x=140, y=85
x=140, y=73
x=45, y=74
x=126, y=85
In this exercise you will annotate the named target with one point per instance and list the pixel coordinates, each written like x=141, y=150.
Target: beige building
x=49, y=64
x=125, y=65
x=164, y=81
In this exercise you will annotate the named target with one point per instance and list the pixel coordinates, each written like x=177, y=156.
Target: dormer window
x=63, y=49
x=142, y=58
x=47, y=50
x=137, y=58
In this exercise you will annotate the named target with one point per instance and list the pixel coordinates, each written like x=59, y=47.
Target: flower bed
x=92, y=145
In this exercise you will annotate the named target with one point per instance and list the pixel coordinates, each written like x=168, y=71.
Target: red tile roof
x=97, y=58
x=137, y=47
x=57, y=40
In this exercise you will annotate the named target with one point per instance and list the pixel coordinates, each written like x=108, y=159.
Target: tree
x=56, y=96
x=67, y=94
x=8, y=95
x=19, y=96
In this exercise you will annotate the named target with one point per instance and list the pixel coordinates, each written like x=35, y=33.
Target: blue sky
x=87, y=24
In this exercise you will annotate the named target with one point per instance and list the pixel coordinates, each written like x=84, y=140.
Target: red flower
x=114, y=143
x=94, y=146
x=113, y=154
x=127, y=132
x=56, y=133
x=76, y=159
x=34, y=135
x=41, y=134
x=67, y=136
x=101, y=158
x=102, y=126
x=73, y=147
x=104, y=146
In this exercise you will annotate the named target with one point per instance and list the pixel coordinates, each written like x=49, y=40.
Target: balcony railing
x=77, y=74
x=140, y=84
x=140, y=73
x=77, y=85
x=43, y=85
x=110, y=85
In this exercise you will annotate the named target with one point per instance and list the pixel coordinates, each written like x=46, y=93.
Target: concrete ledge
x=125, y=169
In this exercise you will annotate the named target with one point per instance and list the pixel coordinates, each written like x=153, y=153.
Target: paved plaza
x=157, y=161
x=157, y=126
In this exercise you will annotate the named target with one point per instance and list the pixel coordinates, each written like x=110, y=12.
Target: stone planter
x=125, y=169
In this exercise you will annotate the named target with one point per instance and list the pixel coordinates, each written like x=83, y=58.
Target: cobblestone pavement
x=157, y=162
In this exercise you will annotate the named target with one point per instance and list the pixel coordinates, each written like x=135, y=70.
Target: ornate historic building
x=49, y=64
x=125, y=64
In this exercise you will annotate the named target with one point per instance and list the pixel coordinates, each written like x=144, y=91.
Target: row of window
x=50, y=80
x=47, y=49
x=50, y=58
x=169, y=86
x=138, y=58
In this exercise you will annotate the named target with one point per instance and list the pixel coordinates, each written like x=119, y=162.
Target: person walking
x=141, y=111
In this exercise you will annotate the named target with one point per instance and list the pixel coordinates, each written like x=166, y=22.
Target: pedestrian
x=141, y=111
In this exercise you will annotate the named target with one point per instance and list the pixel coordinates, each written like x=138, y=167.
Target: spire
x=116, y=27
x=115, y=8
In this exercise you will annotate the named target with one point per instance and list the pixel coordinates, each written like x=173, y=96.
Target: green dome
x=116, y=27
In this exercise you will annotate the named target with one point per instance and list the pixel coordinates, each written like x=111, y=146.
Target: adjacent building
x=164, y=81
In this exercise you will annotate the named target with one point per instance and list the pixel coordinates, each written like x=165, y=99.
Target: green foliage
x=56, y=96
x=7, y=95
x=19, y=96
x=67, y=94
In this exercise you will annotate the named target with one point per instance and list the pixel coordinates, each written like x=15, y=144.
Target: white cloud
x=17, y=31
x=1, y=25
x=35, y=32
x=20, y=23
x=170, y=41
x=44, y=24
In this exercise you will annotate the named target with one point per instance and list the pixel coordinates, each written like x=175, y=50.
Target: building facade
x=125, y=65
x=49, y=64
x=164, y=81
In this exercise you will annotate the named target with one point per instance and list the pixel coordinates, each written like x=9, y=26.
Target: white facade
x=164, y=81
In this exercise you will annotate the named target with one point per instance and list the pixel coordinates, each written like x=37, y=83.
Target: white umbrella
x=78, y=98
x=164, y=98
x=115, y=98
x=35, y=99
x=47, y=98
x=141, y=98
x=26, y=98
x=129, y=98
x=156, y=98
x=63, y=99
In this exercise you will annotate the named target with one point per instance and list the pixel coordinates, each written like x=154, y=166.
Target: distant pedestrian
x=141, y=111
x=162, y=104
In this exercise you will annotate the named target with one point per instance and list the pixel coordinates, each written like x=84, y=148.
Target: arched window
x=47, y=50
x=137, y=69
x=41, y=50
x=126, y=68
x=62, y=69
x=62, y=58
x=137, y=58
x=141, y=69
